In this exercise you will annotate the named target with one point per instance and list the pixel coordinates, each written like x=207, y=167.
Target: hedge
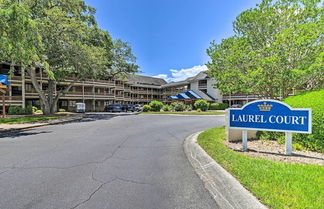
x=218, y=106
x=314, y=141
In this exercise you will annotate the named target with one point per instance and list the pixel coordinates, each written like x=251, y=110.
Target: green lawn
x=186, y=113
x=276, y=184
x=27, y=119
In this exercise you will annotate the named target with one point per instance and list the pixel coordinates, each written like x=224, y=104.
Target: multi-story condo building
x=136, y=89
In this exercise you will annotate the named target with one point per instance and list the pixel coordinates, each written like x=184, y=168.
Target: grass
x=186, y=113
x=27, y=119
x=276, y=184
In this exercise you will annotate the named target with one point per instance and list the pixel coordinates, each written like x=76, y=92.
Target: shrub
x=314, y=141
x=34, y=109
x=156, y=106
x=18, y=110
x=178, y=106
x=188, y=107
x=166, y=108
x=29, y=110
x=201, y=104
x=218, y=106
x=146, y=108
x=198, y=110
x=38, y=112
x=62, y=110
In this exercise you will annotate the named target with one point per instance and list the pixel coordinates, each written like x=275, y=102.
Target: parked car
x=128, y=107
x=80, y=107
x=138, y=108
x=113, y=108
x=236, y=106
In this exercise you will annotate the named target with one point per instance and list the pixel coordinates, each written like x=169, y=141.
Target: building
x=136, y=89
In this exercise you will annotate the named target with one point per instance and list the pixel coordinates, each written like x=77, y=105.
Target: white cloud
x=183, y=74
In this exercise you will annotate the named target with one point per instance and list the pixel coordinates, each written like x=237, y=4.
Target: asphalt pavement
x=113, y=161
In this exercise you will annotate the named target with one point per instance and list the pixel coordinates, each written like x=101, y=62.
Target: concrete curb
x=41, y=125
x=224, y=188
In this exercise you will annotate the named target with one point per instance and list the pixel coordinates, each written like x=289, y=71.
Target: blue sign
x=271, y=115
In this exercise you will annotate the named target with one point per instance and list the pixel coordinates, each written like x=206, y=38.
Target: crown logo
x=264, y=107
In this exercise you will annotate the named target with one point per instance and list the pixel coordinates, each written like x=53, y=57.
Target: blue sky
x=169, y=37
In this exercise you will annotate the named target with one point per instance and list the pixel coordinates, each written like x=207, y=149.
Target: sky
x=170, y=37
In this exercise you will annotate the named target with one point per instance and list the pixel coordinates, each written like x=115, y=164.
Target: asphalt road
x=105, y=161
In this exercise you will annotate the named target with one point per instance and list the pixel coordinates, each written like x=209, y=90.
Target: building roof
x=146, y=80
x=179, y=83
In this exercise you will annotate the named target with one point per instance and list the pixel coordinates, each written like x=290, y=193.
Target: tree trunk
x=42, y=97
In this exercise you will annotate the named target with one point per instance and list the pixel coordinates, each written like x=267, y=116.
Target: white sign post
x=244, y=140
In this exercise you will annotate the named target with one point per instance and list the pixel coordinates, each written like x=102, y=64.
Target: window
x=16, y=90
x=64, y=103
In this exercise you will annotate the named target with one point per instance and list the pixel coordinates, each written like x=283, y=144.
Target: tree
x=71, y=46
x=276, y=48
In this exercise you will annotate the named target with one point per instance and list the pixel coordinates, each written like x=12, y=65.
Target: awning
x=193, y=94
x=183, y=96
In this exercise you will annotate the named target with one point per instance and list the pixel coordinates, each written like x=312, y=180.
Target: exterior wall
x=211, y=90
x=96, y=93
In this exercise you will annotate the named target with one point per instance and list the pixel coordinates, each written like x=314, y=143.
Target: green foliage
x=292, y=185
x=38, y=112
x=146, y=108
x=202, y=105
x=29, y=110
x=34, y=109
x=277, y=47
x=178, y=106
x=63, y=39
x=314, y=100
x=62, y=110
x=199, y=110
x=188, y=108
x=156, y=106
x=218, y=106
x=18, y=110
x=166, y=108
x=314, y=141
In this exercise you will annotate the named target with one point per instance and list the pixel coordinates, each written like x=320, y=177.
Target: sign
x=271, y=115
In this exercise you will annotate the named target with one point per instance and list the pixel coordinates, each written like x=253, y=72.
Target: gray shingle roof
x=146, y=80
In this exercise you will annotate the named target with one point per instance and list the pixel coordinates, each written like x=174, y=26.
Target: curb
x=223, y=187
x=40, y=125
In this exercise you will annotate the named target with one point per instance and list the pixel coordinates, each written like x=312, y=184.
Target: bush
x=218, y=106
x=314, y=141
x=201, y=104
x=156, y=106
x=188, y=107
x=62, y=110
x=166, y=108
x=146, y=108
x=18, y=110
x=198, y=110
x=38, y=112
x=34, y=109
x=178, y=106
x=29, y=110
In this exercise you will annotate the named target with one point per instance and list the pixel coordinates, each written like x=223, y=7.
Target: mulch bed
x=271, y=150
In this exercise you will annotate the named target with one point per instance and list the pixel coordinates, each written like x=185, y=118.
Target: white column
x=288, y=143
x=244, y=140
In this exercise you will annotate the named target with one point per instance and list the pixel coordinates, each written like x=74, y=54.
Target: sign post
x=270, y=115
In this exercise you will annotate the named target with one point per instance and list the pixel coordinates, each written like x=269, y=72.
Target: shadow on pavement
x=91, y=117
x=15, y=134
